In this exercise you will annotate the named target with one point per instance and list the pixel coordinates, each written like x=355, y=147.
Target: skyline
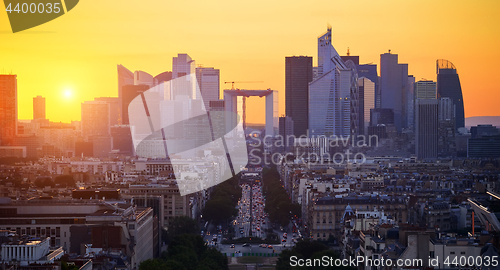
x=75, y=57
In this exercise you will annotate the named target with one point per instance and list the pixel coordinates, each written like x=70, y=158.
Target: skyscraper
x=448, y=85
x=366, y=103
x=114, y=109
x=425, y=90
x=393, y=80
x=330, y=92
x=95, y=118
x=286, y=129
x=209, y=84
x=184, y=66
x=446, y=130
x=129, y=92
x=8, y=108
x=410, y=102
x=298, y=75
x=426, y=128
x=39, y=108
x=125, y=77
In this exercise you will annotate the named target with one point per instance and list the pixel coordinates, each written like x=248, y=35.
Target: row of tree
x=186, y=250
x=223, y=200
x=279, y=206
x=62, y=181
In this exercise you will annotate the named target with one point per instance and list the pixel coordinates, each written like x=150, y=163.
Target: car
x=283, y=240
x=237, y=251
x=246, y=245
x=232, y=246
x=270, y=246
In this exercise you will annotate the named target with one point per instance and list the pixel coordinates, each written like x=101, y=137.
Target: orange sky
x=247, y=41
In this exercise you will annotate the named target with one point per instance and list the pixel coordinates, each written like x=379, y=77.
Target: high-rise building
x=448, y=85
x=446, y=128
x=114, y=109
x=209, y=84
x=8, y=108
x=483, y=130
x=122, y=139
x=366, y=103
x=298, y=75
x=184, y=66
x=410, y=102
x=425, y=90
x=286, y=129
x=141, y=77
x=38, y=107
x=393, y=80
x=125, y=77
x=129, y=92
x=426, y=128
x=95, y=119
x=380, y=116
x=330, y=92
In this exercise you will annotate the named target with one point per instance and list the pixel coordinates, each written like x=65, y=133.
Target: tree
x=65, y=181
x=44, y=182
x=182, y=225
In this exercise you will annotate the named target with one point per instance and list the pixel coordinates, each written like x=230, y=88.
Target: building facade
x=298, y=75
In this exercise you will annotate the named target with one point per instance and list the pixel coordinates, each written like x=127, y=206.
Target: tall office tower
x=209, y=83
x=448, y=85
x=114, y=109
x=95, y=118
x=366, y=103
x=366, y=70
x=163, y=77
x=446, y=130
x=183, y=65
x=129, y=93
x=330, y=93
x=425, y=90
x=298, y=75
x=122, y=139
x=39, y=108
x=410, y=102
x=354, y=106
x=8, y=109
x=141, y=77
x=393, y=80
x=125, y=77
x=426, y=128
x=286, y=131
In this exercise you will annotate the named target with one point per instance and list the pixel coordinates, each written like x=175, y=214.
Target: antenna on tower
x=389, y=50
x=328, y=27
x=348, y=53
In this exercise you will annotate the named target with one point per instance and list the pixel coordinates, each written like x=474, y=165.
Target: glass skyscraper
x=330, y=92
x=448, y=85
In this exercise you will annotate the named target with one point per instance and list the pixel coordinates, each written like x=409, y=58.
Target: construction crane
x=232, y=83
x=244, y=116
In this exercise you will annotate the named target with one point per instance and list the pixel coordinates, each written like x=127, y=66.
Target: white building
x=31, y=251
x=330, y=92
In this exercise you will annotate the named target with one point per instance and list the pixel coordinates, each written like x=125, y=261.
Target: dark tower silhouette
x=298, y=75
x=448, y=85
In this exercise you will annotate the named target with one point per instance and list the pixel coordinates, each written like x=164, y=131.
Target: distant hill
x=482, y=120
